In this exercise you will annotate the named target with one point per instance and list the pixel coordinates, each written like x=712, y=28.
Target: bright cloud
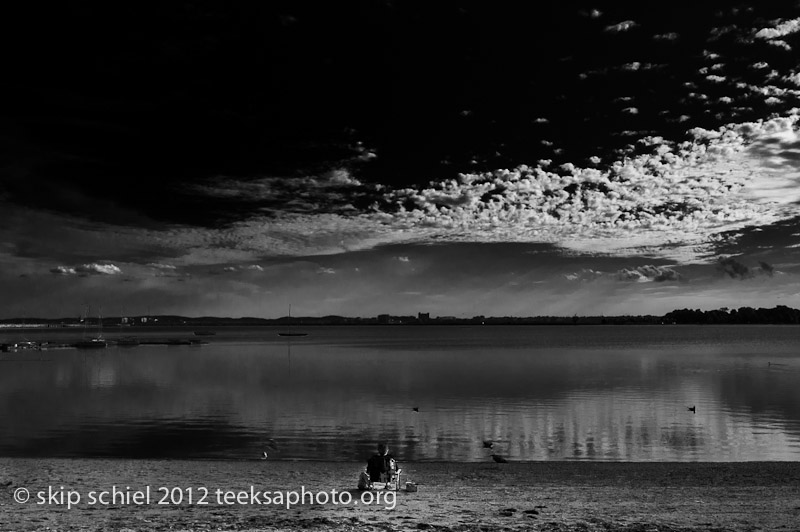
x=87, y=269
x=676, y=194
x=625, y=25
x=63, y=270
x=781, y=30
x=648, y=273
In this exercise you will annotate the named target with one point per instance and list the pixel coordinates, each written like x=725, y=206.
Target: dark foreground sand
x=459, y=497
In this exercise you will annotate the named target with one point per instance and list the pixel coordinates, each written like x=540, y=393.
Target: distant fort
x=744, y=315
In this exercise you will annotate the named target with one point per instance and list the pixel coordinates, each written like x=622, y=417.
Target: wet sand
x=555, y=496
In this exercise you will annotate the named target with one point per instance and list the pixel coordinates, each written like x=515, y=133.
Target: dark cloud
x=781, y=239
x=736, y=270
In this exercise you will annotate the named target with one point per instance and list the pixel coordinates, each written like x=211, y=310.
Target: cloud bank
x=673, y=195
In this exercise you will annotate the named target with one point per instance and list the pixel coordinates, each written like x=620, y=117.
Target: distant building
x=384, y=318
x=424, y=316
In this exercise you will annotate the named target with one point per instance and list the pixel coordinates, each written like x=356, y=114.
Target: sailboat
x=288, y=331
x=96, y=342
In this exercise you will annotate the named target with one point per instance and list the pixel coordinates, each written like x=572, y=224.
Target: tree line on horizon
x=780, y=315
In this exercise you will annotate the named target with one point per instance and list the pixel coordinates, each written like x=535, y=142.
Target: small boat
x=27, y=345
x=288, y=331
x=204, y=333
x=92, y=343
x=19, y=346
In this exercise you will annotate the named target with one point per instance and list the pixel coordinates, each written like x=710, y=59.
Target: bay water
x=615, y=393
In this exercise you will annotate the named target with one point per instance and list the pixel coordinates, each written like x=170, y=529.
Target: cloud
x=585, y=275
x=594, y=13
x=332, y=191
x=780, y=44
x=675, y=194
x=243, y=268
x=781, y=30
x=163, y=270
x=668, y=201
x=647, y=273
x=625, y=25
x=736, y=270
x=639, y=274
x=87, y=269
x=666, y=37
x=159, y=266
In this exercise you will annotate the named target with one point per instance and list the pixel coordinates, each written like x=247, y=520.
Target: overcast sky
x=203, y=158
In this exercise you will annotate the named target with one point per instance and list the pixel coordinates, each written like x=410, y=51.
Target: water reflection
x=541, y=393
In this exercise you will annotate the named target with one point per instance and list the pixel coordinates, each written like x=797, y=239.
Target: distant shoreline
x=779, y=315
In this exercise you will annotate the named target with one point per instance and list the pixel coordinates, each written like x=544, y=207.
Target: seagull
x=415, y=409
x=499, y=459
x=488, y=444
x=271, y=444
x=265, y=456
x=692, y=409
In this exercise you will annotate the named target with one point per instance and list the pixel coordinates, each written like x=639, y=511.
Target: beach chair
x=387, y=481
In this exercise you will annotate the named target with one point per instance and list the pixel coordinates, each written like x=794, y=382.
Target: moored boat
x=92, y=343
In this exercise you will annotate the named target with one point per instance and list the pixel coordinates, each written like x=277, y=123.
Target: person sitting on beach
x=382, y=466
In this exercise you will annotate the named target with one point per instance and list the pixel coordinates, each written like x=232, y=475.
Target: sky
x=357, y=158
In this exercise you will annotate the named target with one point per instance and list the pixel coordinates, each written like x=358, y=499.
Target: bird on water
x=499, y=459
x=692, y=409
x=488, y=444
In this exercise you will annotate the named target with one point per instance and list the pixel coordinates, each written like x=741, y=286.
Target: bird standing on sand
x=692, y=409
x=499, y=459
x=415, y=409
x=488, y=444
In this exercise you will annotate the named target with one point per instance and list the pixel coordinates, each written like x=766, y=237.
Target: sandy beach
x=558, y=496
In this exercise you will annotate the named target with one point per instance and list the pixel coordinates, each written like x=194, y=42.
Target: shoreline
x=556, y=496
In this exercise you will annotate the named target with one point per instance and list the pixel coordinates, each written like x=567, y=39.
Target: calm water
x=540, y=393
